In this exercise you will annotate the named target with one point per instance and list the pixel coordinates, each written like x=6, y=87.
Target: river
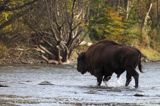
x=49, y=85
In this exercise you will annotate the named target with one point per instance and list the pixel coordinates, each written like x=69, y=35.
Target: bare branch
x=3, y=5
x=45, y=50
x=18, y=7
x=49, y=61
x=13, y=18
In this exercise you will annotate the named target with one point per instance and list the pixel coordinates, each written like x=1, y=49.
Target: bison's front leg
x=99, y=80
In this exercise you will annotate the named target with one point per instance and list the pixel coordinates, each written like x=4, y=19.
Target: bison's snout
x=82, y=72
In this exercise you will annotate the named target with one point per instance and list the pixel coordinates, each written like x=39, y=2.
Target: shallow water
x=64, y=86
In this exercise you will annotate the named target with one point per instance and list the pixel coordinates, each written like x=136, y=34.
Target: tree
x=105, y=21
x=11, y=7
x=10, y=11
x=58, y=24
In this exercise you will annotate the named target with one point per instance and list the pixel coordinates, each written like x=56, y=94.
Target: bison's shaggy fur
x=107, y=57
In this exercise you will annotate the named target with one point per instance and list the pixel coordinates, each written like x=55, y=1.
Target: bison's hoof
x=136, y=87
x=98, y=84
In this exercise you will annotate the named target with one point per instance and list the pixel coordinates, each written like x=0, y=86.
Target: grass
x=151, y=54
x=3, y=50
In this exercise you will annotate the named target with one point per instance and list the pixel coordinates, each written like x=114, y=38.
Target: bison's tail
x=140, y=67
x=139, y=64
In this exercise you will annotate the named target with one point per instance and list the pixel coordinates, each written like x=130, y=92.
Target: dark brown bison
x=107, y=57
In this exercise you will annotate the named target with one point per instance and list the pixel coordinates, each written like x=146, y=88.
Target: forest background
x=52, y=31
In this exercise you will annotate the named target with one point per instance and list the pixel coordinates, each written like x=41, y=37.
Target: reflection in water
x=58, y=85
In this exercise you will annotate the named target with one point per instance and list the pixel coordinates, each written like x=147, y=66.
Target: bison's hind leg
x=128, y=78
x=136, y=78
x=129, y=75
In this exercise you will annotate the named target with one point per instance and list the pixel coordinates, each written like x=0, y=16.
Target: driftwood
x=42, y=48
x=49, y=61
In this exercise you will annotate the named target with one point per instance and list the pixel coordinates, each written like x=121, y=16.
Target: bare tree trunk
x=158, y=14
x=144, y=32
x=127, y=8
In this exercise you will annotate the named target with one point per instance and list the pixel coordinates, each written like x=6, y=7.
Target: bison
x=107, y=57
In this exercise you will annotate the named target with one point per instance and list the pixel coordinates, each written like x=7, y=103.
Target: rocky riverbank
x=23, y=55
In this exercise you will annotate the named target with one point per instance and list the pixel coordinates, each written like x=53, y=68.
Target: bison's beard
x=83, y=72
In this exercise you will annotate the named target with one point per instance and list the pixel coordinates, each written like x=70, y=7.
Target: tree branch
x=18, y=7
x=13, y=18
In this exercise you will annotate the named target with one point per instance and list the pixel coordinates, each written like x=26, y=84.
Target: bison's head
x=81, y=64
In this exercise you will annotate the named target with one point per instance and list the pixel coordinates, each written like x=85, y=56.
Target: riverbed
x=50, y=85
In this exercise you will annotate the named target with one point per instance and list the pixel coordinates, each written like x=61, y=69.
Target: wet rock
x=3, y=85
x=45, y=83
x=139, y=95
x=91, y=92
x=28, y=81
